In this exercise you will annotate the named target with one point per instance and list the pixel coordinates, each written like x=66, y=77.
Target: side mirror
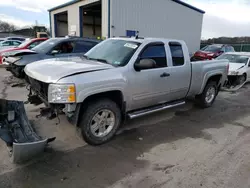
x=145, y=64
x=54, y=52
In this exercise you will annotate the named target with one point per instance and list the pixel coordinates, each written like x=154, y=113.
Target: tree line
x=7, y=27
x=227, y=40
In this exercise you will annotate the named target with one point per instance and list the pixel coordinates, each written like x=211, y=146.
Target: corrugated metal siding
x=73, y=15
x=161, y=18
x=105, y=18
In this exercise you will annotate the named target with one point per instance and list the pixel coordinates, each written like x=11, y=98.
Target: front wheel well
x=115, y=95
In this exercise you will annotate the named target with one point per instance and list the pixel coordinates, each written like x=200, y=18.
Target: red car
x=25, y=45
x=211, y=51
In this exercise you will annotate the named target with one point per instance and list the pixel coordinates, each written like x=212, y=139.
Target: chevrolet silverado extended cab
x=123, y=77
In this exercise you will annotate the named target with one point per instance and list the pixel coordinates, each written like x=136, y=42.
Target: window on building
x=177, y=54
x=157, y=53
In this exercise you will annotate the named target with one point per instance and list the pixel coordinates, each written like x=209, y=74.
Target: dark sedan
x=52, y=48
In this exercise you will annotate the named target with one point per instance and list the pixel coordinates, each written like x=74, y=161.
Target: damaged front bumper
x=16, y=70
x=17, y=132
x=235, y=81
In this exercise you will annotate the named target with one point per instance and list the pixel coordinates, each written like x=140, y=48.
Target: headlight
x=233, y=72
x=62, y=93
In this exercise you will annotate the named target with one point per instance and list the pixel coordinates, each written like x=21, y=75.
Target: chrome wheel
x=102, y=123
x=210, y=95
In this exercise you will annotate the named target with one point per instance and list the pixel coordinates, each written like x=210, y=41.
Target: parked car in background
x=2, y=39
x=29, y=44
x=211, y=51
x=239, y=67
x=52, y=48
x=15, y=38
x=9, y=43
x=120, y=78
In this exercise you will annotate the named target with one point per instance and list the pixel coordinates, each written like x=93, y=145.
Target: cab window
x=157, y=53
x=177, y=54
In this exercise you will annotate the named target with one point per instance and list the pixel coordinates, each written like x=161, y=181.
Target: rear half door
x=180, y=70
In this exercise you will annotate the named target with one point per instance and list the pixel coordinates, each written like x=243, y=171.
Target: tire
x=90, y=120
x=205, y=101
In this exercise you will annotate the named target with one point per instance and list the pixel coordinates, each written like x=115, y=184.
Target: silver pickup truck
x=123, y=78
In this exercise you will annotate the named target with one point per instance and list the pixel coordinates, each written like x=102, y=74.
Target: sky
x=222, y=18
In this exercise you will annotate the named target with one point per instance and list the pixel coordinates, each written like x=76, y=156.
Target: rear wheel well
x=215, y=78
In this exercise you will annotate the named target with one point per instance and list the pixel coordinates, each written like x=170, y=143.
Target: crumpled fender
x=17, y=132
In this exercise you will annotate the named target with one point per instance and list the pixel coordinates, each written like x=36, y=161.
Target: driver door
x=151, y=86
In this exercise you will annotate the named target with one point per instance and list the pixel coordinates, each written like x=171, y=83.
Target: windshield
x=234, y=58
x=115, y=52
x=211, y=48
x=24, y=44
x=46, y=45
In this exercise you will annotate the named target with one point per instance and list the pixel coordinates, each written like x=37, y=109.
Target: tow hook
x=16, y=131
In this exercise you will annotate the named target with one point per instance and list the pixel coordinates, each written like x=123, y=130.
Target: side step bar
x=147, y=111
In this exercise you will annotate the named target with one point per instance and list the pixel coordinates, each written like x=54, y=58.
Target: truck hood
x=235, y=66
x=52, y=70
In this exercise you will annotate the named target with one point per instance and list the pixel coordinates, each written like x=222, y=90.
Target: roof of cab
x=176, y=1
x=142, y=40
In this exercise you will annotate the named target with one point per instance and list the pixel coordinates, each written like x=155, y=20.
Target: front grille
x=39, y=87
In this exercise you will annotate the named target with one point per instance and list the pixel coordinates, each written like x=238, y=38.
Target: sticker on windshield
x=129, y=45
x=117, y=63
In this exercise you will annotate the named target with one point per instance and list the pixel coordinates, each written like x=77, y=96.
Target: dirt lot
x=184, y=147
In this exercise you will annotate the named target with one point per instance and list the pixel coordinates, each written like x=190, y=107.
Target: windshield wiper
x=85, y=56
x=100, y=60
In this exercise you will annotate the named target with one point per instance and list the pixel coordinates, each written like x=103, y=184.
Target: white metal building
x=112, y=18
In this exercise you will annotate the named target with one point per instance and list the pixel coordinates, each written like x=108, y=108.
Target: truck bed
x=202, y=70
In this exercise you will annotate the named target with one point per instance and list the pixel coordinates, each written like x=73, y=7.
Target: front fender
x=84, y=94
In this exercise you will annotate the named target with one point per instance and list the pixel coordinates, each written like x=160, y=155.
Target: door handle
x=165, y=75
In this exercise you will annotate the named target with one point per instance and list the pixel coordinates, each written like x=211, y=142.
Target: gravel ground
x=182, y=147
